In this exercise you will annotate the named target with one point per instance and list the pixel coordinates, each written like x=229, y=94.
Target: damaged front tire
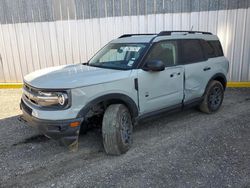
x=117, y=129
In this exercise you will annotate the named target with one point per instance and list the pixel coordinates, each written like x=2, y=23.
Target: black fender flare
x=113, y=96
x=217, y=75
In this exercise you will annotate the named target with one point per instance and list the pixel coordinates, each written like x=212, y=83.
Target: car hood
x=73, y=76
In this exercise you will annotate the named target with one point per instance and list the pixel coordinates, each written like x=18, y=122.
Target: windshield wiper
x=86, y=63
x=108, y=67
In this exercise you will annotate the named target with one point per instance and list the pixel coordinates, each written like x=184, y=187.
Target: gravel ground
x=186, y=149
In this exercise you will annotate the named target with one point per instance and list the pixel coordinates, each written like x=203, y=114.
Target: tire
x=213, y=97
x=117, y=129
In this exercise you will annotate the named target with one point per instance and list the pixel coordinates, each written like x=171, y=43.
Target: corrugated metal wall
x=35, y=34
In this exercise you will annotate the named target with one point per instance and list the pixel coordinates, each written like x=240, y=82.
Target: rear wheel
x=117, y=129
x=213, y=97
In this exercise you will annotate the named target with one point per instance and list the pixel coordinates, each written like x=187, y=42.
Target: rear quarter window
x=213, y=48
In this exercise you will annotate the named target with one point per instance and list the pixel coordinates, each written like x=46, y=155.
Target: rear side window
x=213, y=48
x=192, y=51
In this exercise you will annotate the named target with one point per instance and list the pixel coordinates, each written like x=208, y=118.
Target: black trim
x=141, y=62
x=163, y=33
x=130, y=35
x=136, y=84
x=47, y=89
x=169, y=109
x=192, y=103
x=207, y=69
x=166, y=33
x=56, y=129
x=145, y=51
x=114, y=96
x=25, y=107
x=218, y=76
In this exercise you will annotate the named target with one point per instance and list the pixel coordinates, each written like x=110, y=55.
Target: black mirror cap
x=155, y=65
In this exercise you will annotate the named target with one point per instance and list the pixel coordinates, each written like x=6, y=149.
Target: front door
x=159, y=90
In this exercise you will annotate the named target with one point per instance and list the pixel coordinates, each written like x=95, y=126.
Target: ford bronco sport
x=132, y=77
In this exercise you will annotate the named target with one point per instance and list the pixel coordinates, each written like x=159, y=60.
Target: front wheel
x=117, y=129
x=213, y=97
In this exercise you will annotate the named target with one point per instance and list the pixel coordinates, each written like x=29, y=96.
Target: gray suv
x=133, y=77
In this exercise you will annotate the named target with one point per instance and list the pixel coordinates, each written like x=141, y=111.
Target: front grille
x=30, y=89
x=26, y=108
x=28, y=94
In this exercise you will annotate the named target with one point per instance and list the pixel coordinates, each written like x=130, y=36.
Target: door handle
x=206, y=68
x=175, y=73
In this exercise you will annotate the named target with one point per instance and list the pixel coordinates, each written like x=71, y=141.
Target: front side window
x=192, y=51
x=165, y=51
x=118, y=56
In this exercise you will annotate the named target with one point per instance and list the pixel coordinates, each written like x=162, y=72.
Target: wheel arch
x=114, y=98
x=219, y=77
x=204, y=106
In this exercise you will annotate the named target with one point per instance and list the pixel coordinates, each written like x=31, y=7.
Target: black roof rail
x=162, y=33
x=130, y=35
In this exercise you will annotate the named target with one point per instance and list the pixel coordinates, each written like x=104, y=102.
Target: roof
x=164, y=35
x=186, y=36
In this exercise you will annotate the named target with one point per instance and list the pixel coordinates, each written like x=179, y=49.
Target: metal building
x=35, y=34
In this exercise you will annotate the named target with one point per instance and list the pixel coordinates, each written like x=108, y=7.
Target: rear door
x=198, y=70
x=158, y=90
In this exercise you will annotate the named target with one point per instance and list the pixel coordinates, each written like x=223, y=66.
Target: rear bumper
x=55, y=129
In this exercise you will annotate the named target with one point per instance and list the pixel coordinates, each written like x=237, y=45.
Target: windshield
x=118, y=56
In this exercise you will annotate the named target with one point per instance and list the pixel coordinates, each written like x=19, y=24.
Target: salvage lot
x=185, y=149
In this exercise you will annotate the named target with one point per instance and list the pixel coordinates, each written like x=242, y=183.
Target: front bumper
x=55, y=129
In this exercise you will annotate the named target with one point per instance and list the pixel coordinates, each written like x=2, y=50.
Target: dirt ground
x=185, y=149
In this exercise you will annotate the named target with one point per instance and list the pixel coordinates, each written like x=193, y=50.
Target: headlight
x=62, y=99
x=47, y=99
x=57, y=99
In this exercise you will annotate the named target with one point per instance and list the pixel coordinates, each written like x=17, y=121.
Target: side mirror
x=155, y=66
